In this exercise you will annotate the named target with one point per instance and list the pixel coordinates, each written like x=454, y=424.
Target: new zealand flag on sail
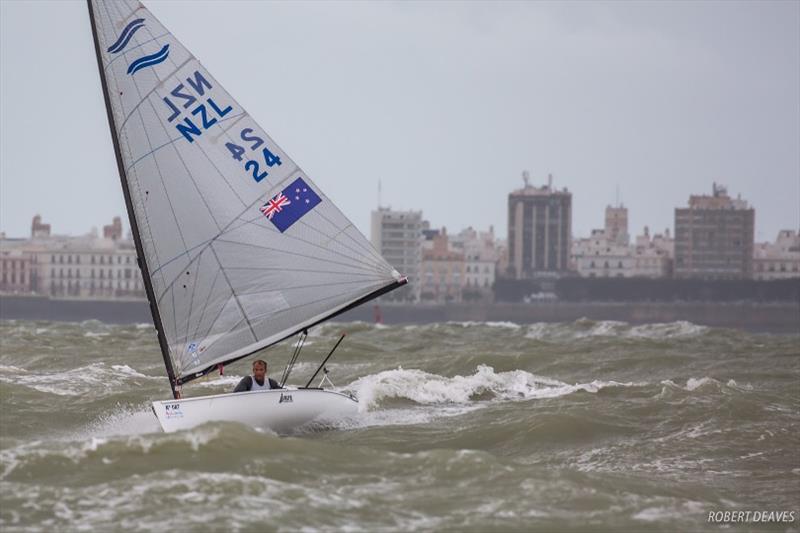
x=290, y=205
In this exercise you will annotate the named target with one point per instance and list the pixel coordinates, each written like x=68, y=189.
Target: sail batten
x=240, y=248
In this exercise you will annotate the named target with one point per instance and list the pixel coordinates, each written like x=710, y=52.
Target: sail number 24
x=253, y=142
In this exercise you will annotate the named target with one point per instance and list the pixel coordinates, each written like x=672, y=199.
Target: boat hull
x=282, y=411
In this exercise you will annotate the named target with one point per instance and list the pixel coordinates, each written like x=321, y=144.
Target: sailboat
x=239, y=249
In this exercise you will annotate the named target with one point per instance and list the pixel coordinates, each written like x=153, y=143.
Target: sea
x=579, y=426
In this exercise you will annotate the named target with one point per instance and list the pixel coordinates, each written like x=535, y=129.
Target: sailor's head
x=259, y=369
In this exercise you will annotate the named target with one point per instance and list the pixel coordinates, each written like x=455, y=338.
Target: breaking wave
x=485, y=384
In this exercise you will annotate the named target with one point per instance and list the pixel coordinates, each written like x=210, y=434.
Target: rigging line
x=296, y=254
x=290, y=363
x=324, y=248
x=155, y=87
x=132, y=48
x=233, y=292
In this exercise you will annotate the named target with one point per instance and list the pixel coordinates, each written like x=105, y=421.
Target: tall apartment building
x=714, y=237
x=539, y=231
x=397, y=235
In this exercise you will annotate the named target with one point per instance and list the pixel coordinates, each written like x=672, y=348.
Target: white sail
x=242, y=248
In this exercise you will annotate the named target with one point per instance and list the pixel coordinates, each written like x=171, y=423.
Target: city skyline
x=654, y=100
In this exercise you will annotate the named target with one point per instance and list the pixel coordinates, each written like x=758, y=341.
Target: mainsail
x=238, y=247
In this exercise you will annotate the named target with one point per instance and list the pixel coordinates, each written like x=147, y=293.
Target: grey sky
x=444, y=102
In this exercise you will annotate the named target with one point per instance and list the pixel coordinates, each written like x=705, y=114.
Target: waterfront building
x=539, y=231
x=480, y=262
x=714, y=237
x=85, y=267
x=18, y=269
x=443, y=269
x=778, y=260
x=617, y=224
x=653, y=256
x=90, y=267
x=602, y=257
x=397, y=235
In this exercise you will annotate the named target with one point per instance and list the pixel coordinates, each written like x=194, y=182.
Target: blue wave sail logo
x=149, y=61
x=125, y=36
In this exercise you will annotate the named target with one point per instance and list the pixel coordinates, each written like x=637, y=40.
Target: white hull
x=279, y=410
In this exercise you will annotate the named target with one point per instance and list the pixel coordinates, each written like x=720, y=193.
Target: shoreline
x=763, y=317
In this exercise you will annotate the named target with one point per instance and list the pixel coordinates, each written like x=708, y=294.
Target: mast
x=141, y=258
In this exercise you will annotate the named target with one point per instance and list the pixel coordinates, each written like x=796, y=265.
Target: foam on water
x=431, y=389
x=587, y=329
x=78, y=381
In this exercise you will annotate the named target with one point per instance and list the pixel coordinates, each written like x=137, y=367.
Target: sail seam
x=375, y=268
x=297, y=254
x=233, y=292
x=205, y=305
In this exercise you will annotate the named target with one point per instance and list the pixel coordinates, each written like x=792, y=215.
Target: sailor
x=259, y=379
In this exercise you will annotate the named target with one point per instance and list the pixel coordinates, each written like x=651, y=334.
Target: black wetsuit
x=247, y=382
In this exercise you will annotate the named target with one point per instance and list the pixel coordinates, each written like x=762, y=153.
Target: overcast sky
x=446, y=103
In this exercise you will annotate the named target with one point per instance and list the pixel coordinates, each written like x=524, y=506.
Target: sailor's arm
x=244, y=384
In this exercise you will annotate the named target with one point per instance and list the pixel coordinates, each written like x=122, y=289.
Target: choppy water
x=477, y=426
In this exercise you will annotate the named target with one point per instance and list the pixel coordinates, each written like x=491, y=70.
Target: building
x=85, y=267
x=778, y=260
x=443, y=269
x=480, y=262
x=397, y=235
x=602, y=257
x=90, y=267
x=539, y=231
x=617, y=224
x=18, y=268
x=714, y=237
x=653, y=257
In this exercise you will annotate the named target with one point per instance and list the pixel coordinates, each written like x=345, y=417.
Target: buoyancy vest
x=255, y=386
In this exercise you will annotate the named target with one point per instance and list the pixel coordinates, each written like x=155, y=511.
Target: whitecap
x=428, y=389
